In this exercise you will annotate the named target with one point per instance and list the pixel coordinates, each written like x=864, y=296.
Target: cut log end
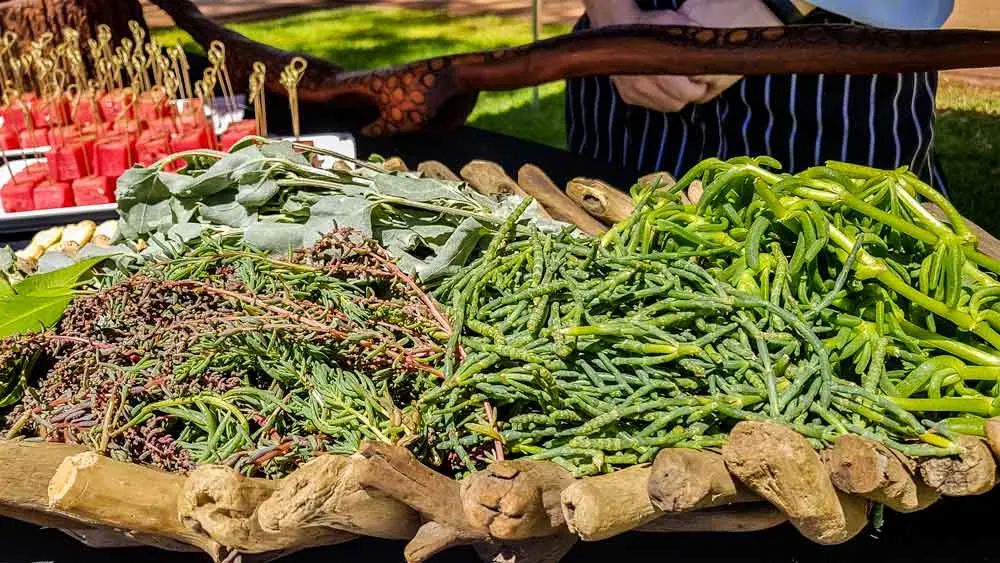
x=779, y=464
x=973, y=472
x=64, y=480
x=861, y=467
x=684, y=479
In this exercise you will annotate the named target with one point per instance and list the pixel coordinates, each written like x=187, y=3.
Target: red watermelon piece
x=94, y=190
x=52, y=195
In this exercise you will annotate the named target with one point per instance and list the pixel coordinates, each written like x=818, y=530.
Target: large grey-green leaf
x=257, y=189
x=144, y=218
x=219, y=176
x=53, y=260
x=222, y=209
x=275, y=238
x=455, y=252
x=285, y=150
x=340, y=211
x=418, y=189
x=141, y=185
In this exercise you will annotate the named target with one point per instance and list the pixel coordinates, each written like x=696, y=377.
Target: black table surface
x=954, y=530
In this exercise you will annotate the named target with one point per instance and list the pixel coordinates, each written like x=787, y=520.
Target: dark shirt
x=884, y=120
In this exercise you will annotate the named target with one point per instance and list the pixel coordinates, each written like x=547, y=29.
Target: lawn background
x=365, y=37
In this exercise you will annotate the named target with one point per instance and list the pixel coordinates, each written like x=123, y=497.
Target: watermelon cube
x=114, y=155
x=16, y=117
x=50, y=112
x=16, y=195
x=193, y=138
x=161, y=125
x=130, y=127
x=153, y=105
x=36, y=172
x=37, y=137
x=152, y=146
x=84, y=111
x=9, y=139
x=52, y=195
x=94, y=190
x=117, y=104
x=236, y=132
x=69, y=162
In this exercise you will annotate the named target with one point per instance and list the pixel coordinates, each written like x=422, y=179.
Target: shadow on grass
x=968, y=144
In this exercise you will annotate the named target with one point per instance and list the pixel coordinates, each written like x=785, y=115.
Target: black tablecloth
x=954, y=530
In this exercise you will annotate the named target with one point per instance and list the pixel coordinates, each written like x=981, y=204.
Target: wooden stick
x=973, y=472
x=600, y=200
x=862, y=467
x=683, y=479
x=748, y=517
x=987, y=243
x=395, y=164
x=25, y=471
x=438, y=171
x=489, y=178
x=516, y=500
x=597, y=508
x=220, y=502
x=779, y=464
x=394, y=471
x=125, y=496
x=536, y=183
x=326, y=492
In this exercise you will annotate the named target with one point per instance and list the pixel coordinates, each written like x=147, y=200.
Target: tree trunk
x=29, y=19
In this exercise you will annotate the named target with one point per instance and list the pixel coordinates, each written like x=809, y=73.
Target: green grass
x=968, y=132
x=374, y=37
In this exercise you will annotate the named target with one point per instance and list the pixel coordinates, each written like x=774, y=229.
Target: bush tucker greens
x=469, y=329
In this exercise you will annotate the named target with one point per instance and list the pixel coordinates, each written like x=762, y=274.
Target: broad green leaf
x=57, y=282
x=6, y=290
x=275, y=238
x=28, y=313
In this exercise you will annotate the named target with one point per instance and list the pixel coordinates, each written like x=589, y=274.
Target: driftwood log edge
x=521, y=511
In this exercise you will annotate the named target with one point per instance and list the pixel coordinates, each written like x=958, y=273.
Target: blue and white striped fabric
x=884, y=121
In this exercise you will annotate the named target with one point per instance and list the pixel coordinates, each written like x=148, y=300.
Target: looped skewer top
x=257, y=79
x=290, y=78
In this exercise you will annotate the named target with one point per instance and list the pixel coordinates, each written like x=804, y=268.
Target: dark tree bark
x=31, y=18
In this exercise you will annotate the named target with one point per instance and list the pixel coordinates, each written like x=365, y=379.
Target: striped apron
x=884, y=120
